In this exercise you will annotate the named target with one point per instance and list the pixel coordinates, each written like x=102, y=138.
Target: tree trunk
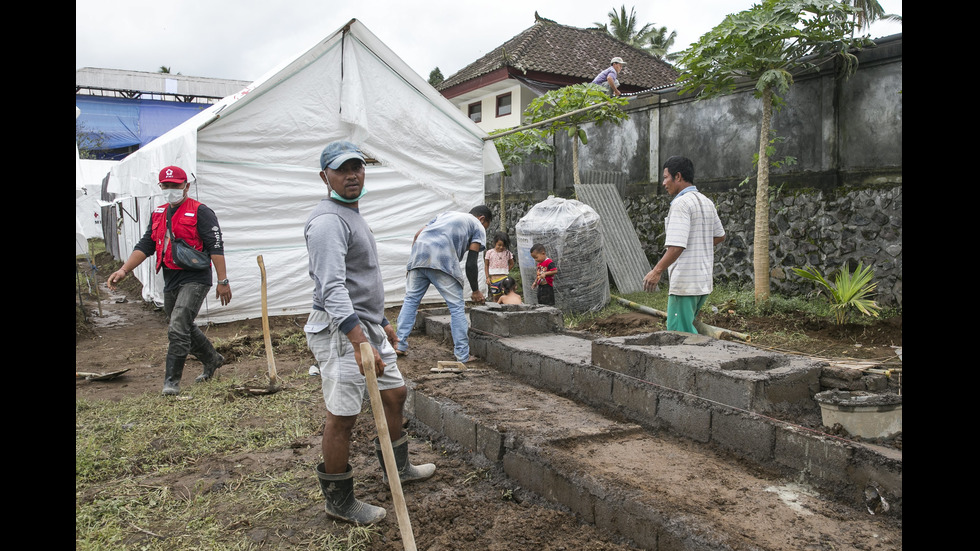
x=760, y=254
x=575, y=177
x=503, y=209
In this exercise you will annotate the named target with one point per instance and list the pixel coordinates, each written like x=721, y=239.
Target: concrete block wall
x=826, y=462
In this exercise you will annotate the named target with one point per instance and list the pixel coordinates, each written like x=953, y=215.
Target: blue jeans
x=416, y=284
x=182, y=306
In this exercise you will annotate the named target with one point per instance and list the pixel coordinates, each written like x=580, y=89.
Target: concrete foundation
x=731, y=373
x=554, y=401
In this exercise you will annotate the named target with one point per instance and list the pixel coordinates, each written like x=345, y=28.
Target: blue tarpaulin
x=132, y=122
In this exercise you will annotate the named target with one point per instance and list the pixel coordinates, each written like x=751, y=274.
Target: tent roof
x=255, y=158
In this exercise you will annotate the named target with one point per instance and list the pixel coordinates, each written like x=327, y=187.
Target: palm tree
x=658, y=42
x=623, y=27
x=164, y=69
x=650, y=38
x=869, y=11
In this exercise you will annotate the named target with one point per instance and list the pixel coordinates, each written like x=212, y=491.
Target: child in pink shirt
x=498, y=263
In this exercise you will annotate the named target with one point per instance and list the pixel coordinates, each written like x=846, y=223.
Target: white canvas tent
x=255, y=156
x=81, y=245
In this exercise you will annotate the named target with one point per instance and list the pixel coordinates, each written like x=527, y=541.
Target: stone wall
x=840, y=203
x=822, y=229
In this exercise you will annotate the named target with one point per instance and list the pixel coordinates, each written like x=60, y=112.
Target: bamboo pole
x=703, y=328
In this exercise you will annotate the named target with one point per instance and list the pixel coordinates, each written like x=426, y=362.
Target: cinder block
x=543, y=480
x=428, y=411
x=746, y=434
x=718, y=386
x=489, y=442
x=669, y=373
x=685, y=415
x=788, y=387
x=638, y=399
x=526, y=365
x=817, y=457
x=556, y=375
x=516, y=319
x=593, y=384
x=498, y=356
x=636, y=521
x=459, y=427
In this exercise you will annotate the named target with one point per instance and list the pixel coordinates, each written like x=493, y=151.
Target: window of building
x=475, y=111
x=503, y=104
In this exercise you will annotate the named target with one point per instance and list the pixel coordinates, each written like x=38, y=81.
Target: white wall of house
x=513, y=98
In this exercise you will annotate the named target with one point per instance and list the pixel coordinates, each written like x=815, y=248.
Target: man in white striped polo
x=692, y=230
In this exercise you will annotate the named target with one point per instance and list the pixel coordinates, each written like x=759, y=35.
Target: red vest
x=184, y=225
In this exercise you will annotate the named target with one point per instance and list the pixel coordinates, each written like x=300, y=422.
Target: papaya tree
x=569, y=108
x=768, y=45
x=516, y=148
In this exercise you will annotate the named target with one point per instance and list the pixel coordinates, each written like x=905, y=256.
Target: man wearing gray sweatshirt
x=348, y=309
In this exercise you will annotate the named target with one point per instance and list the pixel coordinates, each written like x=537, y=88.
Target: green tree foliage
x=659, y=41
x=88, y=141
x=568, y=109
x=768, y=44
x=866, y=12
x=517, y=148
x=626, y=28
x=435, y=77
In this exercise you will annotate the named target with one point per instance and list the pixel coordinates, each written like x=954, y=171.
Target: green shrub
x=850, y=291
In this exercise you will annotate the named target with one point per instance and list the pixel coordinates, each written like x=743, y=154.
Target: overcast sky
x=244, y=39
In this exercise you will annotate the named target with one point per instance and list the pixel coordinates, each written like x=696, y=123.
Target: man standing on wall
x=437, y=250
x=692, y=230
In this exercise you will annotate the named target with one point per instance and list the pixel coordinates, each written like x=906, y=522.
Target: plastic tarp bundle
x=569, y=231
x=255, y=156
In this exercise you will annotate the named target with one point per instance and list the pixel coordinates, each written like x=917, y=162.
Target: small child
x=546, y=269
x=499, y=261
x=508, y=286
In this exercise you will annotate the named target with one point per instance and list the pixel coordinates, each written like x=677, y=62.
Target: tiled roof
x=549, y=47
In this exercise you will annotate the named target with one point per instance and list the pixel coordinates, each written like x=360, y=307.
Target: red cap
x=173, y=174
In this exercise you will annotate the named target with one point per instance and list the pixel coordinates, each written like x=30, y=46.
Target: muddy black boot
x=175, y=370
x=210, y=367
x=203, y=350
x=406, y=471
x=338, y=490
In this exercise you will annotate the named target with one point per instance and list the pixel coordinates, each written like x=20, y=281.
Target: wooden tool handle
x=377, y=407
x=265, y=326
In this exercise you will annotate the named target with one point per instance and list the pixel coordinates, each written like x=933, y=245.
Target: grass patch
x=152, y=433
x=724, y=298
x=133, y=457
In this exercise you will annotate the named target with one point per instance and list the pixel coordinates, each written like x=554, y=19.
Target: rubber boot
x=406, y=471
x=210, y=368
x=175, y=370
x=338, y=490
x=203, y=350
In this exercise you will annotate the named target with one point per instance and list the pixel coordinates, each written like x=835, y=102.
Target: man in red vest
x=184, y=290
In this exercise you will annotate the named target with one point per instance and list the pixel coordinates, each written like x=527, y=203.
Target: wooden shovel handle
x=377, y=407
x=265, y=326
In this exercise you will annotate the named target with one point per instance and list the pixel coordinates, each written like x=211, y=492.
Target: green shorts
x=681, y=310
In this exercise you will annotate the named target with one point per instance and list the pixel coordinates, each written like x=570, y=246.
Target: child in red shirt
x=546, y=269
